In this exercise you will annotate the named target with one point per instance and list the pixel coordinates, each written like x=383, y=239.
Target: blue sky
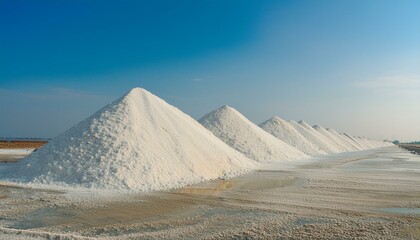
x=350, y=65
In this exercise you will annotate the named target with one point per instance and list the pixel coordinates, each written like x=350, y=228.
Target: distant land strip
x=17, y=144
x=414, y=148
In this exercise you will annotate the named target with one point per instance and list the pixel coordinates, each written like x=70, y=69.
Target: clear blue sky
x=350, y=65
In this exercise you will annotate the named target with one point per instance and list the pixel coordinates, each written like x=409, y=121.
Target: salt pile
x=288, y=134
x=344, y=139
x=139, y=142
x=314, y=137
x=344, y=146
x=360, y=144
x=334, y=148
x=241, y=134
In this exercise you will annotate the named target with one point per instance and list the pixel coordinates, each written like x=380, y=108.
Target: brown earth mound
x=20, y=144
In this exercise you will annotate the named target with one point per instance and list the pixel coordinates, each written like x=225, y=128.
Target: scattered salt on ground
x=139, y=142
x=287, y=133
x=238, y=132
x=344, y=146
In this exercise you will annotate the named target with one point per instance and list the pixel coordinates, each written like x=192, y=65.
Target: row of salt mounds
x=344, y=139
x=335, y=148
x=366, y=143
x=139, y=142
x=314, y=137
x=356, y=141
x=246, y=137
x=288, y=134
x=343, y=145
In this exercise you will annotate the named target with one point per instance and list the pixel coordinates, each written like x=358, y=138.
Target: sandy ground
x=372, y=194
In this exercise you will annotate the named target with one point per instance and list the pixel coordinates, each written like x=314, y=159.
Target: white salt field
x=371, y=194
x=140, y=168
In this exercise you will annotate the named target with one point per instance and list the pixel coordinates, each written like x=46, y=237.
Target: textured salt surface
x=345, y=147
x=344, y=139
x=139, y=142
x=333, y=147
x=288, y=134
x=246, y=137
x=314, y=137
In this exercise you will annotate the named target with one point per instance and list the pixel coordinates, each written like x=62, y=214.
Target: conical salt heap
x=344, y=139
x=314, y=137
x=139, y=142
x=288, y=134
x=344, y=146
x=241, y=134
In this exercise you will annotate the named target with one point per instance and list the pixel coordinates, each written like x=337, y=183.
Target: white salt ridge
x=345, y=140
x=241, y=134
x=333, y=147
x=314, y=137
x=367, y=143
x=356, y=141
x=344, y=146
x=139, y=142
x=288, y=134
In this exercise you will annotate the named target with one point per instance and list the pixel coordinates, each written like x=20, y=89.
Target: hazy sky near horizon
x=350, y=65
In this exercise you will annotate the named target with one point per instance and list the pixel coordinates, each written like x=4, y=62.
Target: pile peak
x=276, y=119
x=139, y=142
x=227, y=108
x=305, y=124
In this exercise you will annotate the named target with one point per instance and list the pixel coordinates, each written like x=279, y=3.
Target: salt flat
x=372, y=194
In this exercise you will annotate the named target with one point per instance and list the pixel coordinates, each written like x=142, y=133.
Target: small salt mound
x=344, y=146
x=314, y=137
x=367, y=143
x=356, y=141
x=246, y=137
x=333, y=146
x=139, y=142
x=288, y=134
x=344, y=139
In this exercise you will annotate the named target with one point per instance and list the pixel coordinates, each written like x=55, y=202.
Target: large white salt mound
x=139, y=142
x=288, y=134
x=314, y=137
x=238, y=132
x=344, y=146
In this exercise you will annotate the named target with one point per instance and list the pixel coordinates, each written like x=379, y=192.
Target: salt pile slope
x=331, y=144
x=288, y=134
x=344, y=139
x=139, y=142
x=360, y=144
x=342, y=144
x=241, y=134
x=314, y=138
